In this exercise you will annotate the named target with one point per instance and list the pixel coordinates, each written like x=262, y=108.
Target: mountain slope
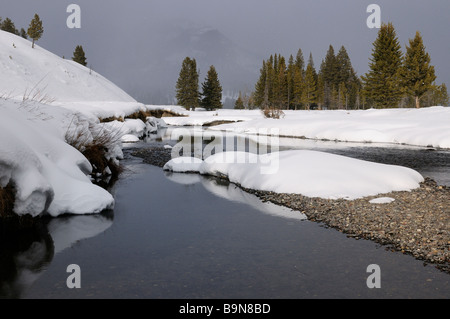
x=29, y=72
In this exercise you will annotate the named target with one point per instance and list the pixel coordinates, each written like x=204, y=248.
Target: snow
x=183, y=165
x=50, y=176
x=199, y=118
x=38, y=74
x=44, y=101
x=45, y=98
x=26, y=70
x=418, y=127
x=382, y=200
x=310, y=173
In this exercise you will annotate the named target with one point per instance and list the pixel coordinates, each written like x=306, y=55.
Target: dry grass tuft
x=272, y=113
x=96, y=142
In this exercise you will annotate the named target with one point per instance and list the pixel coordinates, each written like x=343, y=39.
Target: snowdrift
x=310, y=173
x=49, y=175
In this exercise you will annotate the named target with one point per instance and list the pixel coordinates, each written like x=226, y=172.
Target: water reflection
x=28, y=249
x=25, y=251
x=223, y=189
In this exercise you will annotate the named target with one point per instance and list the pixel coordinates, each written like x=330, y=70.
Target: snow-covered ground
x=43, y=97
x=418, y=127
x=310, y=173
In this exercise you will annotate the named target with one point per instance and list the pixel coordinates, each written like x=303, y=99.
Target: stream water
x=187, y=236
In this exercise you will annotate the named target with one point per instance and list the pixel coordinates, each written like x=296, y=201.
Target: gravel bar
x=415, y=223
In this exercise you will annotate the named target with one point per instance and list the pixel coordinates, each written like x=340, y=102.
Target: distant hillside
x=237, y=68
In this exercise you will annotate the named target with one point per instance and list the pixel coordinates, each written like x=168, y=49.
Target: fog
x=139, y=45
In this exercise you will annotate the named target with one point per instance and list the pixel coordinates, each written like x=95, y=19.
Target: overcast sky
x=113, y=30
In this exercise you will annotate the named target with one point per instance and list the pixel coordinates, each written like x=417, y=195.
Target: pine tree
x=239, y=104
x=382, y=85
x=268, y=90
x=310, y=85
x=281, y=87
x=300, y=61
x=417, y=73
x=297, y=90
x=347, y=75
x=329, y=68
x=79, y=55
x=187, y=91
x=8, y=26
x=328, y=72
x=35, y=29
x=320, y=98
x=437, y=96
x=212, y=90
x=290, y=78
x=260, y=86
x=23, y=33
x=345, y=72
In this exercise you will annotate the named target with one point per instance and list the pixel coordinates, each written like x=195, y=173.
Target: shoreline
x=416, y=223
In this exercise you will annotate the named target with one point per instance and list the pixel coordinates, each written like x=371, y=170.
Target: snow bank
x=200, y=118
x=418, y=127
x=310, y=173
x=48, y=174
x=28, y=71
x=184, y=165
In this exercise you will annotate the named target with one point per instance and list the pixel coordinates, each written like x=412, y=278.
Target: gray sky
x=120, y=37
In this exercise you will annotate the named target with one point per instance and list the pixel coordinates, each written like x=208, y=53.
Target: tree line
x=393, y=80
x=35, y=31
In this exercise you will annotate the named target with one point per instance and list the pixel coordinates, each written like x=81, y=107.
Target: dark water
x=186, y=236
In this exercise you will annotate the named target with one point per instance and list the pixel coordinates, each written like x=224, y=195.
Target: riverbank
x=415, y=223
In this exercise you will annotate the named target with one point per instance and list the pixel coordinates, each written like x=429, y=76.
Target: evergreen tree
x=342, y=96
x=35, y=30
x=239, y=104
x=328, y=72
x=310, y=85
x=79, y=55
x=212, y=90
x=281, y=87
x=417, y=73
x=269, y=85
x=297, y=91
x=442, y=95
x=23, y=33
x=320, y=91
x=436, y=96
x=382, y=85
x=345, y=72
x=329, y=69
x=347, y=75
x=260, y=86
x=300, y=61
x=290, y=79
x=187, y=91
x=8, y=26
